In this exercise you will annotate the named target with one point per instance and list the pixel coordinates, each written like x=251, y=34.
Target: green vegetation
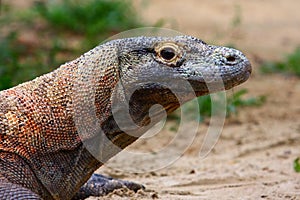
x=49, y=33
x=9, y=55
x=297, y=165
x=90, y=18
x=290, y=65
x=234, y=102
x=238, y=100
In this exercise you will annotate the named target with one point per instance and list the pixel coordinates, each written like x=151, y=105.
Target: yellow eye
x=168, y=53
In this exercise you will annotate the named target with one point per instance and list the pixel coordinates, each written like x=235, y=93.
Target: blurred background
x=257, y=154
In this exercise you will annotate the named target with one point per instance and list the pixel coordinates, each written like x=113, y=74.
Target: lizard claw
x=99, y=185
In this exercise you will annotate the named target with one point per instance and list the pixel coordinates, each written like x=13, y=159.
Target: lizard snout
x=233, y=65
x=238, y=59
x=230, y=57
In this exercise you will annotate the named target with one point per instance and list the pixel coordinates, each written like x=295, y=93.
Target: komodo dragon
x=42, y=153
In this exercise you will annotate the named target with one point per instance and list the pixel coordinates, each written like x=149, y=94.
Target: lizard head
x=135, y=74
x=167, y=71
x=172, y=70
x=159, y=64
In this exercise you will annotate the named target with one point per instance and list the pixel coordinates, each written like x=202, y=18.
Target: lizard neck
x=41, y=115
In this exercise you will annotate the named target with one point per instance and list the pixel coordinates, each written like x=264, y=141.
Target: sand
x=253, y=158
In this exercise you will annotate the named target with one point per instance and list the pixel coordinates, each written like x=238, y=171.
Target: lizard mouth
x=224, y=81
x=240, y=77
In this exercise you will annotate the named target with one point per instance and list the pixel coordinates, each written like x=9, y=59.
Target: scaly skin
x=44, y=123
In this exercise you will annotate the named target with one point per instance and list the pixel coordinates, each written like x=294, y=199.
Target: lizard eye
x=167, y=53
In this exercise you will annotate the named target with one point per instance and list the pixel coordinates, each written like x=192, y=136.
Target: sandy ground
x=253, y=158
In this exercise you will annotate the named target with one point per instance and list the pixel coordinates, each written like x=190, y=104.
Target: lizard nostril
x=230, y=59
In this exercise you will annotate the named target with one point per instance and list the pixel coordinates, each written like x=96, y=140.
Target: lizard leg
x=10, y=191
x=99, y=185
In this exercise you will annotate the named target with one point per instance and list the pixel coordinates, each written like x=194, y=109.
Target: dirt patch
x=254, y=156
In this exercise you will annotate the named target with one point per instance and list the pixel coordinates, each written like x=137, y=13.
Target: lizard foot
x=99, y=185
